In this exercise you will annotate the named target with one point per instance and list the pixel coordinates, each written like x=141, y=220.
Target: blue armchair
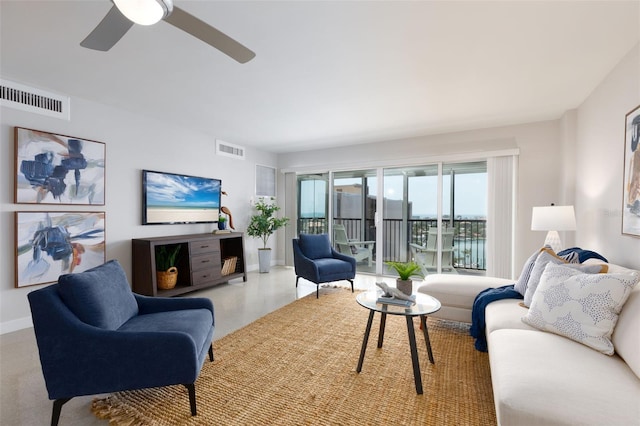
x=95, y=336
x=315, y=260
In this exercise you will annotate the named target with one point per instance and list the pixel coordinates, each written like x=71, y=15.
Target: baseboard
x=15, y=325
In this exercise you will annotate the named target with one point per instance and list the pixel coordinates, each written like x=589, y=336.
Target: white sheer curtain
x=290, y=211
x=501, y=175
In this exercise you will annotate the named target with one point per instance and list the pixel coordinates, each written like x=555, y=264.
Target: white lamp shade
x=553, y=218
x=144, y=12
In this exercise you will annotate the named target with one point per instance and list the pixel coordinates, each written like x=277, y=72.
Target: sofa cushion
x=506, y=313
x=545, y=257
x=625, y=335
x=315, y=246
x=545, y=379
x=332, y=266
x=99, y=296
x=459, y=290
x=582, y=307
x=194, y=322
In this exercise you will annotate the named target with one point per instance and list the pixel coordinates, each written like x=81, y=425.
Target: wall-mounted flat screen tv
x=169, y=198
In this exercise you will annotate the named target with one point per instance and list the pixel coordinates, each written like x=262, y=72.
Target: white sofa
x=541, y=378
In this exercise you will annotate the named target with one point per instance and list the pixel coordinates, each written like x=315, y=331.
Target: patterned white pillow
x=546, y=255
x=582, y=307
x=521, y=285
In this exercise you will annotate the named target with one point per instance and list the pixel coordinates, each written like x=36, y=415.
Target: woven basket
x=167, y=279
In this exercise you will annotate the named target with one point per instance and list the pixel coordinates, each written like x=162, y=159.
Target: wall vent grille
x=230, y=150
x=25, y=98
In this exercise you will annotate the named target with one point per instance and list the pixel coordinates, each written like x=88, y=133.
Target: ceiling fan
x=125, y=13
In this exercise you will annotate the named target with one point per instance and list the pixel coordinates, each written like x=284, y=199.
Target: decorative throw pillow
x=583, y=255
x=521, y=285
x=582, y=307
x=546, y=255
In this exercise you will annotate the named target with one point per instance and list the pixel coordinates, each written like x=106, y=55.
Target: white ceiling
x=328, y=73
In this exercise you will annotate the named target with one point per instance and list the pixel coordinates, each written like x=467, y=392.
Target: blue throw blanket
x=477, y=314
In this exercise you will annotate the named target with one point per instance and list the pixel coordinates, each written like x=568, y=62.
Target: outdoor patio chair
x=427, y=256
x=360, y=250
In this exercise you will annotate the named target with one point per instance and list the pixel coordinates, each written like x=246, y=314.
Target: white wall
x=132, y=143
x=599, y=163
x=539, y=171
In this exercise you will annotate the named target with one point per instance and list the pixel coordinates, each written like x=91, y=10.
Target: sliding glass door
x=436, y=216
x=354, y=207
x=433, y=214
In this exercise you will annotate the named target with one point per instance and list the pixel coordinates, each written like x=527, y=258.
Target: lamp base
x=553, y=240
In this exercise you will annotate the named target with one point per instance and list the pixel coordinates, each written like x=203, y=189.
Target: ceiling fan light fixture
x=144, y=12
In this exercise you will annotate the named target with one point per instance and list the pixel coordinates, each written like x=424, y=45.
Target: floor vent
x=229, y=150
x=25, y=98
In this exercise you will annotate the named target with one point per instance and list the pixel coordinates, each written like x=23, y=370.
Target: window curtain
x=290, y=211
x=501, y=175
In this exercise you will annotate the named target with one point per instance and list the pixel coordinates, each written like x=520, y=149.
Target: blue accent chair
x=96, y=336
x=315, y=260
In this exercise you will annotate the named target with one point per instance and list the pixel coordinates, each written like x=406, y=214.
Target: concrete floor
x=23, y=396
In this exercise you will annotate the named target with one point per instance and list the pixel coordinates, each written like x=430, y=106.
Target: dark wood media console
x=201, y=263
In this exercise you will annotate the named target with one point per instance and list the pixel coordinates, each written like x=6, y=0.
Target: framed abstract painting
x=57, y=169
x=49, y=244
x=631, y=192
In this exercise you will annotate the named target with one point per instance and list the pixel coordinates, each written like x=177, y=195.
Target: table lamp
x=553, y=219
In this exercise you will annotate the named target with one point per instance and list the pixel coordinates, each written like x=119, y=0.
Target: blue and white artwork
x=56, y=169
x=631, y=203
x=49, y=244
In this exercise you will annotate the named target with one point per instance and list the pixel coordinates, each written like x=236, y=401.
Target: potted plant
x=166, y=270
x=405, y=271
x=262, y=225
x=222, y=222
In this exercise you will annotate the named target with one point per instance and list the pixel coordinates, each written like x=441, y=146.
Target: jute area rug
x=297, y=366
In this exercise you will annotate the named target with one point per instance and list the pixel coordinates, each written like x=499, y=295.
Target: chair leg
x=297, y=278
x=192, y=397
x=351, y=281
x=317, y=291
x=211, y=353
x=57, y=408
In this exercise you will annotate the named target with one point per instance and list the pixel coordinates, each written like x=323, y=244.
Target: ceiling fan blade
x=111, y=29
x=205, y=32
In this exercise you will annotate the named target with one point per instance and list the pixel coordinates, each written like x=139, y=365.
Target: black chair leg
x=351, y=281
x=211, y=353
x=192, y=397
x=317, y=291
x=57, y=408
x=297, y=278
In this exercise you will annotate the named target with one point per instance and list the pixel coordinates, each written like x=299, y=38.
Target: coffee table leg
x=414, y=355
x=364, y=341
x=423, y=323
x=383, y=321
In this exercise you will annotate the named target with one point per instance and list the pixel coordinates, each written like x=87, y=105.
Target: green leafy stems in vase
x=166, y=257
x=405, y=270
x=263, y=224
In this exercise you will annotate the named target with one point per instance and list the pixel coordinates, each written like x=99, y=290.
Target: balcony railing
x=468, y=246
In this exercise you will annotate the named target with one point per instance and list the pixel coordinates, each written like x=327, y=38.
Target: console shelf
x=200, y=263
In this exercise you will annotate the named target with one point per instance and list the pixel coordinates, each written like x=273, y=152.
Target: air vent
x=229, y=150
x=25, y=98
